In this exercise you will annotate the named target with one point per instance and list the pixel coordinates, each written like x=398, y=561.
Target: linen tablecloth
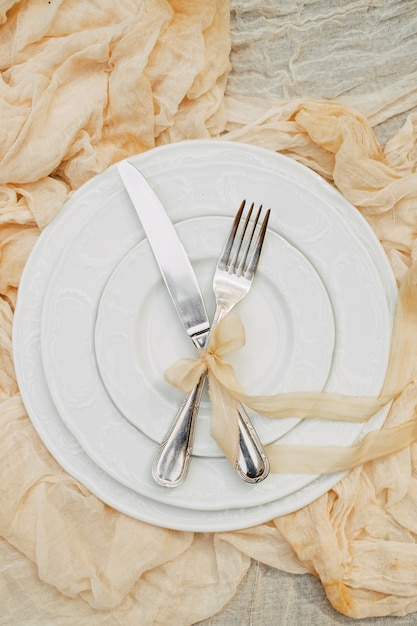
x=84, y=85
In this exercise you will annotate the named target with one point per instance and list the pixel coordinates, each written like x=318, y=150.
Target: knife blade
x=174, y=455
x=170, y=255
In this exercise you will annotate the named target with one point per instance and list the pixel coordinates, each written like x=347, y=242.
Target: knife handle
x=172, y=462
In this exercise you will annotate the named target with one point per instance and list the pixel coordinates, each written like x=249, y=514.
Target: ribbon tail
x=224, y=420
x=329, y=406
x=306, y=459
x=402, y=363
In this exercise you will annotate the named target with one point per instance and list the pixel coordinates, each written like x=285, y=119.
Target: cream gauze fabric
x=84, y=85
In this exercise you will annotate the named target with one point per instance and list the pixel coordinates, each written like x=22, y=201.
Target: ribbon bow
x=226, y=392
x=224, y=388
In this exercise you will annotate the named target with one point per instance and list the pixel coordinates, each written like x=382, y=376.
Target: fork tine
x=225, y=255
x=240, y=268
x=234, y=262
x=253, y=263
x=238, y=247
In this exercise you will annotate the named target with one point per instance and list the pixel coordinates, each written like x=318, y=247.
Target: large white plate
x=288, y=319
x=209, y=179
x=29, y=369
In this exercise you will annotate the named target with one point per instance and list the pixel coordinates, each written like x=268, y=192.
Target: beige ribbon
x=225, y=393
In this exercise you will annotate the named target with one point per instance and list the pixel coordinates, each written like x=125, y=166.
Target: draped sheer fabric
x=80, y=90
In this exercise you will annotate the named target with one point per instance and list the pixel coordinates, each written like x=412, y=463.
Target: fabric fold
x=80, y=90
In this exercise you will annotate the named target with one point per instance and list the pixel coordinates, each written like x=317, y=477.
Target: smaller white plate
x=290, y=334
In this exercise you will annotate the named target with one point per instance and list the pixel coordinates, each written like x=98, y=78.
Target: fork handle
x=252, y=463
x=172, y=462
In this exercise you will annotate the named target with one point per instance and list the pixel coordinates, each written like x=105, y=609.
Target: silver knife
x=173, y=459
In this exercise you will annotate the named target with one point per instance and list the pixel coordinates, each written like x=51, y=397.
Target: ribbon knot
x=228, y=336
x=224, y=388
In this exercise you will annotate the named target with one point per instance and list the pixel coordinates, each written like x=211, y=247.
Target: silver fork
x=235, y=271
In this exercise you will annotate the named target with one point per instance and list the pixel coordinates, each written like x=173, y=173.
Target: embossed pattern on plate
x=192, y=187
x=288, y=321
x=26, y=334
